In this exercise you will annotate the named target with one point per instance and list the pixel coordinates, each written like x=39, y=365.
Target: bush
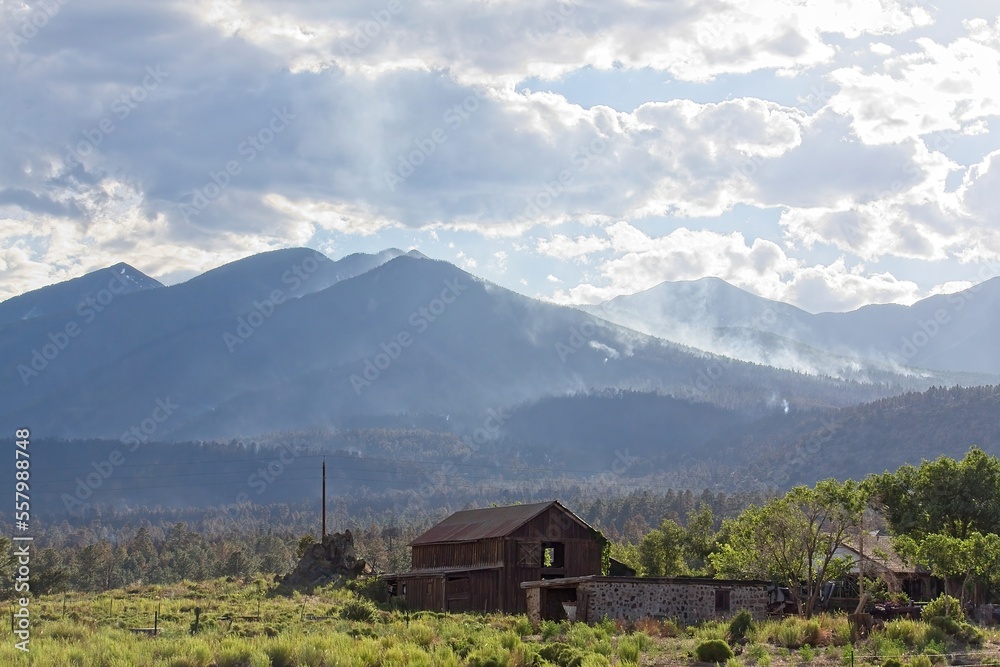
x=359, y=610
x=943, y=606
x=906, y=631
x=921, y=661
x=758, y=653
x=370, y=588
x=522, y=626
x=960, y=630
x=788, y=634
x=280, y=655
x=740, y=626
x=811, y=634
x=489, y=657
x=561, y=654
x=551, y=629
x=628, y=650
x=713, y=650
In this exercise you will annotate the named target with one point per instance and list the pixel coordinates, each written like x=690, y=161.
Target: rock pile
x=331, y=561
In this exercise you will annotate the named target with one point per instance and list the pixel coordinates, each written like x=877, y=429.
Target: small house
x=475, y=560
x=874, y=555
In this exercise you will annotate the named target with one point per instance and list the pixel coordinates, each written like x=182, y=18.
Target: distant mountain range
x=947, y=333
x=292, y=340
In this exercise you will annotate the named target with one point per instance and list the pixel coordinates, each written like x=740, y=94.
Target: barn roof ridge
x=488, y=522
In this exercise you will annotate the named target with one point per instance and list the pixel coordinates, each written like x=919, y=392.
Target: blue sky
x=825, y=153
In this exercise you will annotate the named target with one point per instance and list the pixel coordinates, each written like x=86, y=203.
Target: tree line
x=943, y=514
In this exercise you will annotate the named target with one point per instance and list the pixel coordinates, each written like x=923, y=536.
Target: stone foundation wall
x=685, y=603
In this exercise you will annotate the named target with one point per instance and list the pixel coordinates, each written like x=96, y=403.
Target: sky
x=825, y=153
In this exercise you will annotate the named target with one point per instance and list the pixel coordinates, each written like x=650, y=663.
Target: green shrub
x=242, y=657
x=711, y=630
x=561, y=654
x=943, y=606
x=810, y=633
x=370, y=588
x=788, y=634
x=606, y=627
x=935, y=648
x=960, y=630
x=491, y=656
x=359, y=610
x=522, y=626
x=758, y=653
x=281, y=655
x=910, y=633
x=462, y=646
x=629, y=650
x=551, y=629
x=713, y=650
x=921, y=661
x=892, y=662
x=740, y=626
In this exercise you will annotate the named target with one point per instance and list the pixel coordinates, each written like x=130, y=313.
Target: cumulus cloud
x=759, y=266
x=941, y=87
x=180, y=135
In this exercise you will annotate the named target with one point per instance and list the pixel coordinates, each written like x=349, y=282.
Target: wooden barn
x=475, y=560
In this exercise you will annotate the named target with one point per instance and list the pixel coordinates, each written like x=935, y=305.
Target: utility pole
x=324, y=501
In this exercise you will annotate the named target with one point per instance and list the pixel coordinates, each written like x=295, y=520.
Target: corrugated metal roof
x=472, y=525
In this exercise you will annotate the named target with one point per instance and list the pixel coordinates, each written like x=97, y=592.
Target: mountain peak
x=122, y=278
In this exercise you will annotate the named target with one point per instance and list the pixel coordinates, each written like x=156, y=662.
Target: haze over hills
x=290, y=340
x=73, y=294
x=947, y=333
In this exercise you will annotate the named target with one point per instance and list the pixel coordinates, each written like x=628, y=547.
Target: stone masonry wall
x=686, y=603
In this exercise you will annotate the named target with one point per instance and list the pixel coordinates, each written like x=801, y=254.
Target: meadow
x=339, y=627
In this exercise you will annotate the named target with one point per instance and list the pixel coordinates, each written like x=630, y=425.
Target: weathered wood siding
x=458, y=554
x=424, y=592
x=520, y=556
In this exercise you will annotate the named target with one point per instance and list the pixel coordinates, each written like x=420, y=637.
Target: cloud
x=517, y=39
x=149, y=133
x=941, y=87
x=560, y=246
x=760, y=266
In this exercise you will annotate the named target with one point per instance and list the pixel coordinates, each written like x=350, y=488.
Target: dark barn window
x=722, y=600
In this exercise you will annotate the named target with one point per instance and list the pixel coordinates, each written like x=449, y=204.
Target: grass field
x=337, y=628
